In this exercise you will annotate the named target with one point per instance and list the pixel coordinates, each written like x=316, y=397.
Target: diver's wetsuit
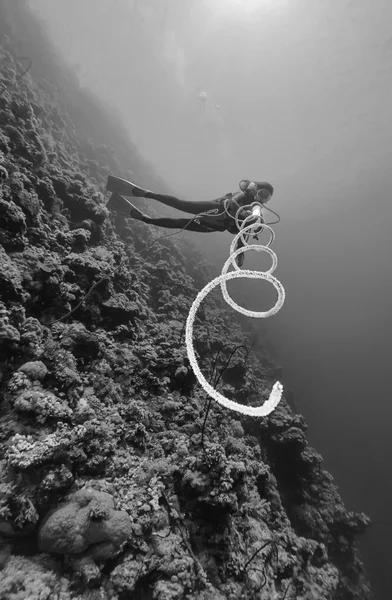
x=211, y=214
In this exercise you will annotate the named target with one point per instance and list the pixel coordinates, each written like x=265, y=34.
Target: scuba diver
x=202, y=98
x=210, y=215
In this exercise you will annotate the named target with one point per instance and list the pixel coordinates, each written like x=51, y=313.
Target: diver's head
x=259, y=191
x=264, y=192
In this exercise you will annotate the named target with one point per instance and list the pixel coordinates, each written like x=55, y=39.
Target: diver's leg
x=193, y=207
x=127, y=188
x=199, y=225
x=124, y=207
x=202, y=224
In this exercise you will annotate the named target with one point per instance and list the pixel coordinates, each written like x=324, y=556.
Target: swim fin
x=124, y=207
x=124, y=187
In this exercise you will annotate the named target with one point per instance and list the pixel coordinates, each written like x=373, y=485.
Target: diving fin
x=124, y=187
x=124, y=207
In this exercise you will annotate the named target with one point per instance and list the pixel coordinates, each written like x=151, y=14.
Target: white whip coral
x=277, y=390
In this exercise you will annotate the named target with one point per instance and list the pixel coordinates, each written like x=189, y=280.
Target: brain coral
x=87, y=523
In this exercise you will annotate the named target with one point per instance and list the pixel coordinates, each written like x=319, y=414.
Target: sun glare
x=245, y=7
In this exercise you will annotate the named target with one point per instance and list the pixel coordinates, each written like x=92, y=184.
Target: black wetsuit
x=210, y=214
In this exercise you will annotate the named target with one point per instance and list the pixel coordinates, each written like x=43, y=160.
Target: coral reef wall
x=113, y=483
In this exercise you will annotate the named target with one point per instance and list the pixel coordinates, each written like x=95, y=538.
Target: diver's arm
x=239, y=198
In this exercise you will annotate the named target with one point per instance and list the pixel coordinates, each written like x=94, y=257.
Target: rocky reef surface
x=115, y=482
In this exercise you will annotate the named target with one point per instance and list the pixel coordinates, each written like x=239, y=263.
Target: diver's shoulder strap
x=222, y=198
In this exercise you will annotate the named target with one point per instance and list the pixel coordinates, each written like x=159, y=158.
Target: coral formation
x=86, y=524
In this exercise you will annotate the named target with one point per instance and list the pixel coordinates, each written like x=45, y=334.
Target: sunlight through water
x=246, y=7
